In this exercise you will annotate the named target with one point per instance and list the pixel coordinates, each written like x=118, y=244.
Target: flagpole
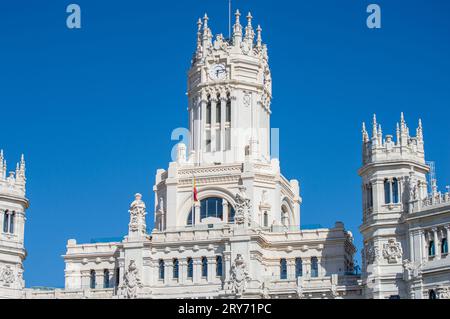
x=229, y=19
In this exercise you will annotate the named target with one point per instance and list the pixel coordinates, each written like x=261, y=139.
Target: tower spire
x=374, y=127
x=249, y=33
x=419, y=131
x=237, y=30
x=259, y=37
x=365, y=135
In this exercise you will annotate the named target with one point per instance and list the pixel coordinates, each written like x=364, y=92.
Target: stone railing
x=435, y=199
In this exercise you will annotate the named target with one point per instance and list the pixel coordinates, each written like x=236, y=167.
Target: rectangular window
x=106, y=278
x=228, y=113
x=208, y=114
x=218, y=114
x=5, y=222
x=387, y=192
x=117, y=277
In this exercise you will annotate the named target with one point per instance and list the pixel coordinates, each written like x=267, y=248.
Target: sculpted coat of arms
x=239, y=275
x=131, y=281
x=392, y=251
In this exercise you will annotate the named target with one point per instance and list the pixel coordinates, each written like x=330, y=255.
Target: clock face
x=218, y=72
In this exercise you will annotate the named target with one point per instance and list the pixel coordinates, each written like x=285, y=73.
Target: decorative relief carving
x=443, y=292
x=392, y=251
x=7, y=276
x=239, y=276
x=131, y=281
x=371, y=253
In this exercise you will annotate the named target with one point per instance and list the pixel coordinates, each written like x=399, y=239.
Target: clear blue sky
x=93, y=109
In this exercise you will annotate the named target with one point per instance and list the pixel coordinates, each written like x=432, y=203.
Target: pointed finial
x=259, y=37
x=205, y=22
x=199, y=24
x=374, y=126
x=364, y=133
x=249, y=19
x=419, y=131
x=398, y=133
x=237, y=15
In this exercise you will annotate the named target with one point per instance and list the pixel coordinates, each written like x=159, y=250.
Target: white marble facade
x=242, y=237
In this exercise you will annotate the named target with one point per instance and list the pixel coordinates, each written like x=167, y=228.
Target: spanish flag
x=195, y=191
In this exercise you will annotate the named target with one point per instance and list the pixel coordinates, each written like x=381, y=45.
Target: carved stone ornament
x=239, y=276
x=243, y=207
x=371, y=253
x=443, y=292
x=392, y=251
x=7, y=276
x=131, y=281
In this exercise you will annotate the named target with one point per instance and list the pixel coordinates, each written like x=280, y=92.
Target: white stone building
x=227, y=222
x=405, y=227
x=242, y=238
x=13, y=205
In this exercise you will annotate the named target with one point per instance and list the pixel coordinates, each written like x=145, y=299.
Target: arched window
x=387, y=191
x=298, y=267
x=283, y=269
x=219, y=266
x=6, y=222
x=211, y=207
x=444, y=246
x=106, y=278
x=314, y=267
x=175, y=268
x=228, y=109
x=92, y=280
x=161, y=269
x=431, y=294
x=190, y=268
x=266, y=219
x=204, y=267
x=218, y=110
x=431, y=249
x=395, y=191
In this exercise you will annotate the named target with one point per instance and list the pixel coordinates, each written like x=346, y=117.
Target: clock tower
x=230, y=92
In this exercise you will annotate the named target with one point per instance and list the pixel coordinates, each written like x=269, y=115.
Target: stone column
x=226, y=265
x=213, y=123
x=197, y=213
x=223, y=106
x=225, y=211
x=2, y=215
x=182, y=271
x=307, y=268
x=85, y=279
x=291, y=269
x=99, y=279
x=378, y=195
x=436, y=243
x=211, y=269
x=202, y=135
x=197, y=271
x=168, y=268
x=423, y=239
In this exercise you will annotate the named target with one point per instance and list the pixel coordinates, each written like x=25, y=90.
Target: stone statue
x=239, y=275
x=137, y=216
x=131, y=281
x=243, y=206
x=413, y=187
